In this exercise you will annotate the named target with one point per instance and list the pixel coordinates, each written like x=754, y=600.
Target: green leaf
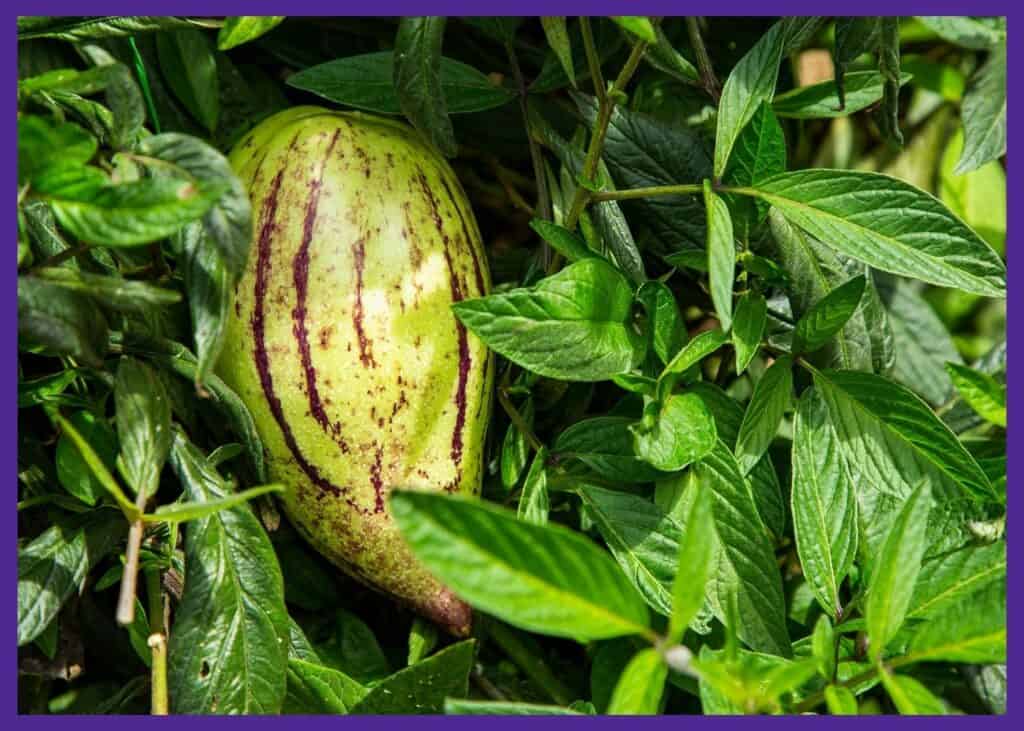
x=840, y=700
x=607, y=39
x=227, y=650
x=985, y=394
x=562, y=240
x=605, y=445
x=721, y=255
x=828, y=316
x=814, y=270
x=751, y=82
x=674, y=433
x=663, y=56
x=760, y=153
x=514, y=450
x=574, y=326
x=314, y=688
x=79, y=28
x=910, y=697
x=950, y=577
x=748, y=327
x=824, y=503
x=499, y=27
x=823, y=647
x=768, y=405
x=891, y=585
x=978, y=197
x=643, y=151
x=244, y=28
x=127, y=295
x=73, y=472
x=891, y=439
x=664, y=321
x=43, y=144
x=638, y=25
x=821, y=100
x=95, y=464
x=423, y=636
x=746, y=560
x=143, y=414
x=855, y=36
x=639, y=690
x=642, y=538
x=921, y=342
x=366, y=81
x=693, y=566
x=423, y=687
x=417, y=79
x=889, y=66
x=544, y=579
x=56, y=563
x=63, y=322
x=963, y=31
x=695, y=351
x=352, y=647
x=972, y=630
x=533, y=502
x=188, y=64
x=126, y=214
x=558, y=39
x=454, y=707
x=889, y=225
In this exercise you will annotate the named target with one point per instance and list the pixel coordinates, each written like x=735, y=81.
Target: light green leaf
x=972, y=630
x=887, y=224
x=514, y=450
x=664, y=321
x=562, y=240
x=638, y=25
x=823, y=647
x=985, y=394
x=317, y=689
x=984, y=114
x=533, y=502
x=241, y=29
x=693, y=565
x=574, y=326
x=640, y=687
x=821, y=100
x=751, y=82
x=840, y=700
x=721, y=255
x=545, y=579
x=143, y=425
x=910, y=697
x=948, y=578
x=746, y=560
x=423, y=637
x=828, y=316
x=43, y=144
x=963, y=30
x=764, y=413
x=695, y=351
x=823, y=501
x=664, y=57
x=674, y=433
x=977, y=197
x=417, y=79
x=892, y=440
x=747, y=328
x=891, y=585
x=642, y=538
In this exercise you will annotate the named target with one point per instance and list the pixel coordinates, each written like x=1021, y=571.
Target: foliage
x=750, y=337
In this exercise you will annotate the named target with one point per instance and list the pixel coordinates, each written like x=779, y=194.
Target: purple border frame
x=8, y=322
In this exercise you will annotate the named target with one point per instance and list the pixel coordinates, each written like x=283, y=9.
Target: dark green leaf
x=62, y=321
x=423, y=687
x=562, y=240
x=760, y=153
x=544, y=579
x=821, y=100
x=188, y=64
x=693, y=565
x=605, y=445
x=664, y=321
x=73, y=471
x=575, y=325
x=721, y=255
x=889, y=66
x=514, y=450
x=695, y=351
x=828, y=316
x=79, y=28
x=114, y=292
x=143, y=425
x=227, y=651
x=558, y=39
x=417, y=79
x=747, y=327
x=366, y=82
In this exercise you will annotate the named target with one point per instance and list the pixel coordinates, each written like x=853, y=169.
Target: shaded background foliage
x=120, y=318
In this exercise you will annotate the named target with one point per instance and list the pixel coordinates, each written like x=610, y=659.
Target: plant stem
x=707, y=72
x=543, y=207
x=593, y=59
x=518, y=420
x=126, y=599
x=147, y=94
x=657, y=190
x=606, y=105
x=157, y=642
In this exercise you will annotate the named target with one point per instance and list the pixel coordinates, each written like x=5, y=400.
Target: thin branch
x=518, y=420
x=126, y=598
x=157, y=642
x=650, y=192
x=707, y=72
x=543, y=207
x=593, y=59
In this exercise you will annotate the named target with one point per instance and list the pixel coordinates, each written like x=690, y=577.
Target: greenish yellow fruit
x=342, y=341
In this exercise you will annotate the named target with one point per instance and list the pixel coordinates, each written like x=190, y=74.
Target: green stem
x=543, y=208
x=147, y=94
x=157, y=643
x=707, y=72
x=818, y=698
x=518, y=420
x=657, y=190
x=593, y=59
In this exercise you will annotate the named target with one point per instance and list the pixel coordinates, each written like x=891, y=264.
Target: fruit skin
x=342, y=342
